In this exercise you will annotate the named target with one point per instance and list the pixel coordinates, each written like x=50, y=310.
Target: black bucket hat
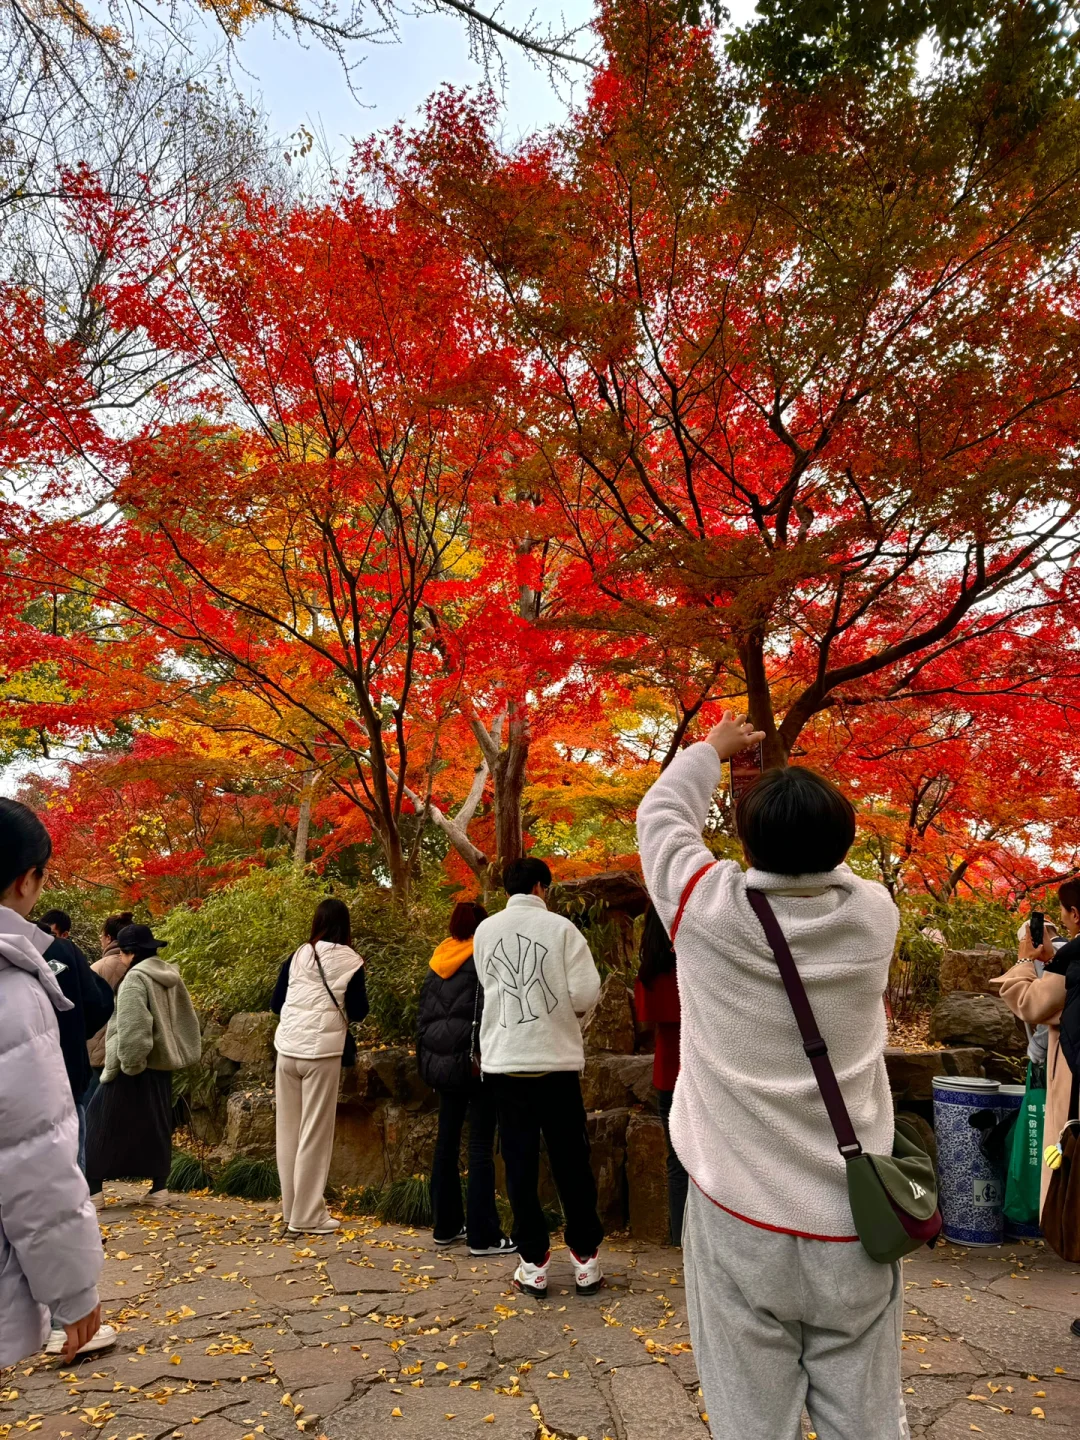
x=134, y=938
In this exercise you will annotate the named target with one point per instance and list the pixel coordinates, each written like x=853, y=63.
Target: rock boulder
x=611, y=1082
x=646, y=1179
x=609, y=1025
x=911, y=1072
x=972, y=970
x=607, y=1136
x=984, y=1021
x=249, y=1126
x=248, y=1042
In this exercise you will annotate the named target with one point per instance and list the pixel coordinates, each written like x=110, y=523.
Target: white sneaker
x=99, y=1200
x=532, y=1279
x=588, y=1276
x=327, y=1228
x=105, y=1337
x=156, y=1197
x=450, y=1240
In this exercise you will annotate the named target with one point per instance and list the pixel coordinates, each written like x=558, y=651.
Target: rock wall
x=387, y=1118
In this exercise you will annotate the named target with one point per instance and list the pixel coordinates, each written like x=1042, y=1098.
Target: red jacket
x=659, y=1006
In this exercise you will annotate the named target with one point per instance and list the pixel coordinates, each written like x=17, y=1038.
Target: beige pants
x=307, y=1092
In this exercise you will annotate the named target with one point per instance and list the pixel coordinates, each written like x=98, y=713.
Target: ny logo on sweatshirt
x=523, y=986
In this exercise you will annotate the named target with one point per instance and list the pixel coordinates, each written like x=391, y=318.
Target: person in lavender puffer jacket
x=50, y=1244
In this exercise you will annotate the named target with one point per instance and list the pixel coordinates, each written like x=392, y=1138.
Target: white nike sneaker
x=105, y=1337
x=588, y=1276
x=533, y=1279
x=156, y=1197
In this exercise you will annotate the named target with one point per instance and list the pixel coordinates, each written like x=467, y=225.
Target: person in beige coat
x=112, y=967
x=1038, y=1000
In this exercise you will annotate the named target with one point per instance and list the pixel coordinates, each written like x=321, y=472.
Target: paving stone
x=217, y=1427
x=313, y=1365
x=570, y=1400
x=654, y=1406
x=353, y=1277
x=467, y=1355
x=291, y=1291
x=959, y=1422
x=541, y=1334
x=424, y=1416
x=928, y=1397
x=1054, y=1290
x=1038, y=1343
x=936, y=1356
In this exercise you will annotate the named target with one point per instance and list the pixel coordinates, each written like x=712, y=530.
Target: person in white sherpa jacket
x=777, y=1282
x=539, y=978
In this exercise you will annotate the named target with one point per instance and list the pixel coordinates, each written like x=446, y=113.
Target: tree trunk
x=759, y=702
x=303, y=820
x=508, y=775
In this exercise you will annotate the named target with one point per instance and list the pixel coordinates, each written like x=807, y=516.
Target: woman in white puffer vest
x=320, y=988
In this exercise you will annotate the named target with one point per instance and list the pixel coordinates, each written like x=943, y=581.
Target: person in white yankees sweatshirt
x=539, y=978
x=778, y=1285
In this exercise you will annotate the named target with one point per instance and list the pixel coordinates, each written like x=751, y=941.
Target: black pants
x=477, y=1105
x=677, y=1179
x=548, y=1105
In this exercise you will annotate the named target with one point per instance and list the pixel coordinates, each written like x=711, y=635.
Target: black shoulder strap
x=326, y=987
x=816, y=1050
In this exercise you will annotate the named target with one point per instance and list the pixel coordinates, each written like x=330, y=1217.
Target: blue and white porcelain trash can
x=971, y=1189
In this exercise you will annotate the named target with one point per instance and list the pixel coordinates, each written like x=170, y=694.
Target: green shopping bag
x=1023, y=1178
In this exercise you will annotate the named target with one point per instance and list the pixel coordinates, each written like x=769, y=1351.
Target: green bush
x=231, y=948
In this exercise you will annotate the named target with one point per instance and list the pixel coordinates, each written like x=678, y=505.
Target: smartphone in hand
x=1036, y=928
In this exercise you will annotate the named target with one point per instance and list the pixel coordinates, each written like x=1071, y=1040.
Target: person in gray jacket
x=50, y=1244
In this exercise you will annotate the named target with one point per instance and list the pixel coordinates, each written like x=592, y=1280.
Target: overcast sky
x=306, y=86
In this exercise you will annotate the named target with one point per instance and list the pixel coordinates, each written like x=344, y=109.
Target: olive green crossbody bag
x=893, y=1197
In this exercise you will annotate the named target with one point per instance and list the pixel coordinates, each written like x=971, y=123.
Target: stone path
x=232, y=1331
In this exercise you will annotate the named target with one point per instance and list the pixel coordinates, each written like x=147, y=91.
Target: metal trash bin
x=971, y=1189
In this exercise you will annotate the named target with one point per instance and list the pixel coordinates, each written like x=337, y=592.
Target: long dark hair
x=24, y=842
x=657, y=954
x=331, y=922
x=465, y=917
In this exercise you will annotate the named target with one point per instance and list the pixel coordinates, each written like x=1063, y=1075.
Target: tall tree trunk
x=303, y=820
x=759, y=701
x=508, y=774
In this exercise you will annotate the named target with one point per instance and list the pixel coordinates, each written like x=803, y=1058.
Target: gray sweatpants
x=778, y=1323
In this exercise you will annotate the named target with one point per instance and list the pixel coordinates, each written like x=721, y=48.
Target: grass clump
x=249, y=1179
x=189, y=1173
x=406, y=1202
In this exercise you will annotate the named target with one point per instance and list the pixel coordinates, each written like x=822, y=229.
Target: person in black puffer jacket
x=448, y=1055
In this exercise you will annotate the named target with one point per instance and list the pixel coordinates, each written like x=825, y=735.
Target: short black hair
x=60, y=918
x=793, y=821
x=521, y=877
x=1069, y=895
x=24, y=843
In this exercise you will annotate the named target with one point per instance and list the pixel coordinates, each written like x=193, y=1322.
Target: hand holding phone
x=1036, y=928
